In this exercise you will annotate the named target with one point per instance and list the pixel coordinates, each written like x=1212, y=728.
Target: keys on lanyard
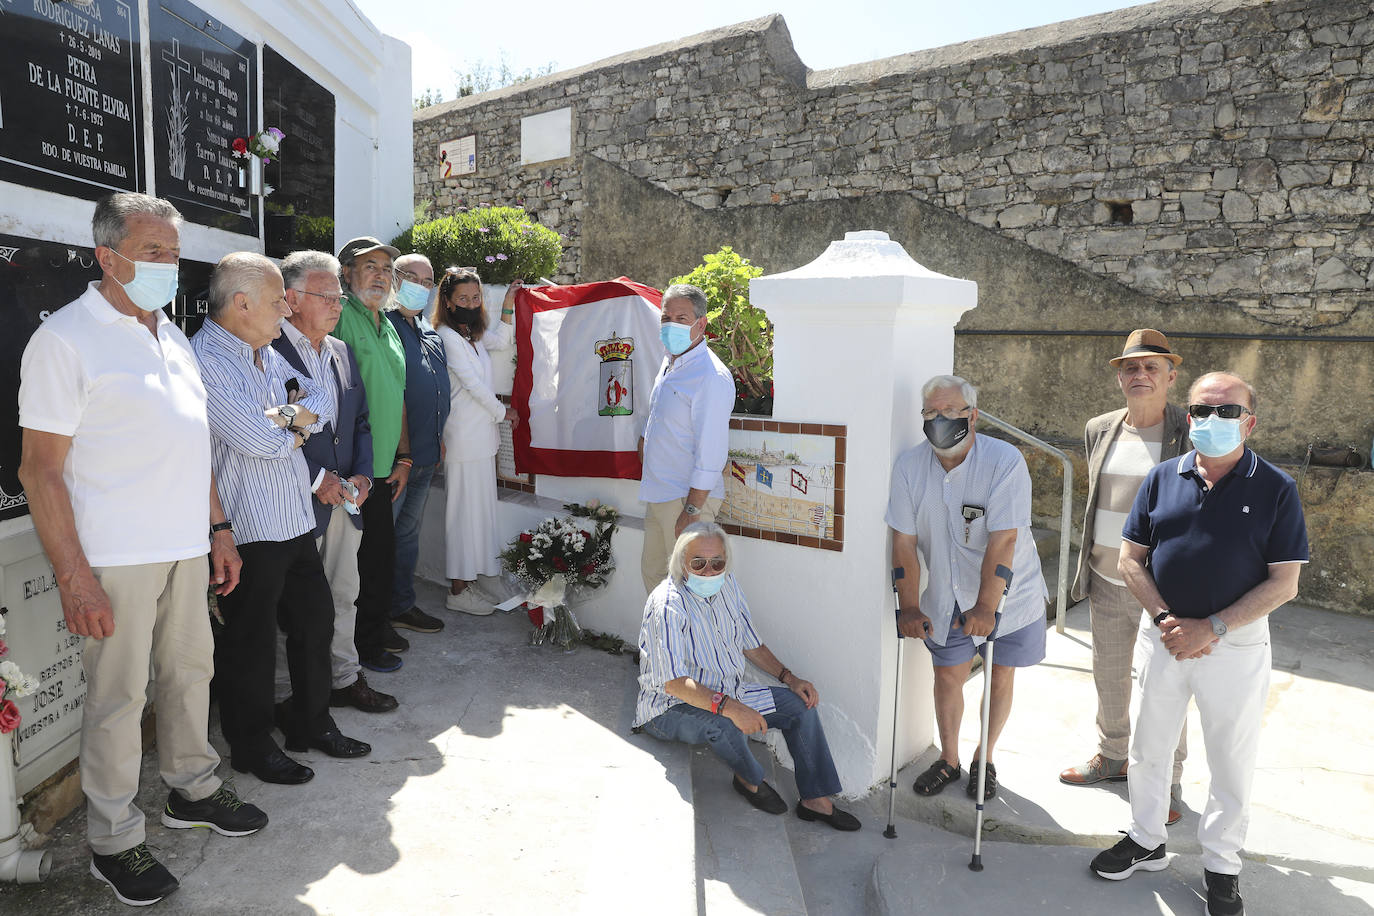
x=971, y=512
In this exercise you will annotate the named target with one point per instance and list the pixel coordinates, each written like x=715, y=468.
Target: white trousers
x=339, y=554
x=1230, y=687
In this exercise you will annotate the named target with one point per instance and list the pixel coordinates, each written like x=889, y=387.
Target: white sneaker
x=469, y=602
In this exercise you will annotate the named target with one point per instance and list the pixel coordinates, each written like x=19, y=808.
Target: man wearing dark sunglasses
x=1122, y=446
x=1214, y=543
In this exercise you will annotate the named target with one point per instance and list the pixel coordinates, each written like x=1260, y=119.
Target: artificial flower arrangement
x=14, y=683
x=264, y=144
x=558, y=558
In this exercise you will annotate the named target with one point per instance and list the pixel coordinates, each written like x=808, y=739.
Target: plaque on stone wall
x=300, y=210
x=204, y=96
x=71, y=98
x=36, y=279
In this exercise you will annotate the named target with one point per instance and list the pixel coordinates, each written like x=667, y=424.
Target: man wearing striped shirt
x=694, y=686
x=1122, y=447
x=256, y=437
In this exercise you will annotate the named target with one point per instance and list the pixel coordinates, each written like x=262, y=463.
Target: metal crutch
x=977, y=863
x=898, y=573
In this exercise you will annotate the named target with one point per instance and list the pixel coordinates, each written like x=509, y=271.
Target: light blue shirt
x=686, y=635
x=928, y=501
x=687, y=434
x=264, y=485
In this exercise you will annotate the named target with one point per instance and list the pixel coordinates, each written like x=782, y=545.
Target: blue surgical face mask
x=676, y=337
x=1216, y=437
x=705, y=586
x=153, y=286
x=412, y=296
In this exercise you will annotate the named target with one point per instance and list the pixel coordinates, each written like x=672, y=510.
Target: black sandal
x=934, y=779
x=989, y=786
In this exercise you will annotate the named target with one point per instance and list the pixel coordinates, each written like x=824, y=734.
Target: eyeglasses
x=699, y=564
x=427, y=283
x=329, y=298
x=950, y=413
x=1225, y=411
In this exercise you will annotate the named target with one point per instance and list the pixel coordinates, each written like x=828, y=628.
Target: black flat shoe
x=334, y=743
x=840, y=820
x=277, y=768
x=765, y=799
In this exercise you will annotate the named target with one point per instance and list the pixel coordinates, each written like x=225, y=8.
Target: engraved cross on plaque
x=178, y=120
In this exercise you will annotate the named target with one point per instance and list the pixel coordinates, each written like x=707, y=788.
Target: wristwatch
x=221, y=526
x=691, y=509
x=289, y=411
x=1218, y=625
x=716, y=699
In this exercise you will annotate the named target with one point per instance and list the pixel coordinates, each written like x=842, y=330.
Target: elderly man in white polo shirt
x=685, y=440
x=116, y=467
x=964, y=501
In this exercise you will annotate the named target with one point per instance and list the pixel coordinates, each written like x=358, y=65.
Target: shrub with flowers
x=502, y=243
x=14, y=683
x=558, y=557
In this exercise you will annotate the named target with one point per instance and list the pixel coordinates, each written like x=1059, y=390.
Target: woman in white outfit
x=470, y=435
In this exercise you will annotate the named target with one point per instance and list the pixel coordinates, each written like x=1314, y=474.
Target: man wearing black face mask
x=964, y=501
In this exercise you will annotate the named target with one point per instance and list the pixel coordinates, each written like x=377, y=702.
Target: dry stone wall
x=1204, y=154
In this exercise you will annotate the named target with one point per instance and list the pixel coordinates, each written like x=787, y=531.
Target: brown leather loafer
x=1099, y=769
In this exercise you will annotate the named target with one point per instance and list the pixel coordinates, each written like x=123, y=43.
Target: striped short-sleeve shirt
x=1129, y=458
x=686, y=635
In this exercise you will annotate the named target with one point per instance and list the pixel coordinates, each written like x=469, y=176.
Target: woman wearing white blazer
x=470, y=435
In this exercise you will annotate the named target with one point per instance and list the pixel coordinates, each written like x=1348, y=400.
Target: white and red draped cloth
x=586, y=359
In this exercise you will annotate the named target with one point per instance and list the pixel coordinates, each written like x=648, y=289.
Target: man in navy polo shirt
x=1213, y=544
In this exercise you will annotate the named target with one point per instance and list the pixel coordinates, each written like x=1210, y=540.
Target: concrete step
x=1311, y=805
x=744, y=857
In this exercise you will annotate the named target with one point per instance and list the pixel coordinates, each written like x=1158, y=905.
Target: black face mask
x=465, y=316
x=944, y=434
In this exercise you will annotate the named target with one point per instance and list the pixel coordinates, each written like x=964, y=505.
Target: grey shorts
x=1017, y=649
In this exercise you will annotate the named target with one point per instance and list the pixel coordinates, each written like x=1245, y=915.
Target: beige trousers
x=339, y=553
x=160, y=620
x=659, y=521
x=1115, y=616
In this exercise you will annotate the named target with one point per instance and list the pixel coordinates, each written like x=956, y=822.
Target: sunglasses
x=699, y=564
x=1225, y=411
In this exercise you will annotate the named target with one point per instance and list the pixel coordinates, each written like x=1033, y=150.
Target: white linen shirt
x=928, y=501
x=470, y=432
x=687, y=435
x=686, y=635
x=138, y=470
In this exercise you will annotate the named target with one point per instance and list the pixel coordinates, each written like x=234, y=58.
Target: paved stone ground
x=508, y=783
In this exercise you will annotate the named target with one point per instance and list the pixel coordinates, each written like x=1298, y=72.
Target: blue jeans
x=801, y=728
x=408, y=512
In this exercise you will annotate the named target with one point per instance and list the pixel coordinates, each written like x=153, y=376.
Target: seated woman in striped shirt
x=694, y=687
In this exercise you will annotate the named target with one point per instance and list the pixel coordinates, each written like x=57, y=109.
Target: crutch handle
x=1005, y=574
x=898, y=573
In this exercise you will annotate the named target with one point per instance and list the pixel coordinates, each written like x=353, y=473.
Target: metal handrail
x=1066, y=511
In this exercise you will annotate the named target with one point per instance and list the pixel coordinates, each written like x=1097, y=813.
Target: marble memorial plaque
x=71, y=96
x=204, y=96
x=300, y=210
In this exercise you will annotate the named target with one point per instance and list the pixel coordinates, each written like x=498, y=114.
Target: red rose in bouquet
x=9, y=717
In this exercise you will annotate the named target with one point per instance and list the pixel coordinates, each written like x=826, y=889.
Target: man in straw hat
x=1122, y=445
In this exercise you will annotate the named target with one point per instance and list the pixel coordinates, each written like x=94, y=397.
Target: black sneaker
x=1126, y=858
x=417, y=620
x=136, y=877
x=223, y=812
x=394, y=642
x=1223, y=894
x=382, y=662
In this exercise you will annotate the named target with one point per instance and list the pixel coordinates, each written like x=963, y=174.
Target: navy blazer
x=347, y=446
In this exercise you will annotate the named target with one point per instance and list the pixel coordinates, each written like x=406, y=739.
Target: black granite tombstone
x=71, y=96
x=300, y=211
x=204, y=97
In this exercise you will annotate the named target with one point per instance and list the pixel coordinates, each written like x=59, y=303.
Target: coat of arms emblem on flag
x=617, y=376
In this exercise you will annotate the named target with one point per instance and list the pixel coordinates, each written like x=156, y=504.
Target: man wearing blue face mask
x=1214, y=543
x=685, y=439
x=694, y=686
x=427, y=406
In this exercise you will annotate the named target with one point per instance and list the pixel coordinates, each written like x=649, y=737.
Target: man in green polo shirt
x=367, y=281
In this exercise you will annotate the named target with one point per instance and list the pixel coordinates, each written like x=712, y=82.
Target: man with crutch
x=964, y=501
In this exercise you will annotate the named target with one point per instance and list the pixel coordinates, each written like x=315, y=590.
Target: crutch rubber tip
x=890, y=832
x=976, y=864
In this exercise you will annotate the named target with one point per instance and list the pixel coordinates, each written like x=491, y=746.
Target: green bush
x=744, y=340
x=503, y=243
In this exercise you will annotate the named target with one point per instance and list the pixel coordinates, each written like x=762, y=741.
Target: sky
x=446, y=36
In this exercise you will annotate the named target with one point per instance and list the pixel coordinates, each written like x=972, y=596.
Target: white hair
x=941, y=382
x=677, y=563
